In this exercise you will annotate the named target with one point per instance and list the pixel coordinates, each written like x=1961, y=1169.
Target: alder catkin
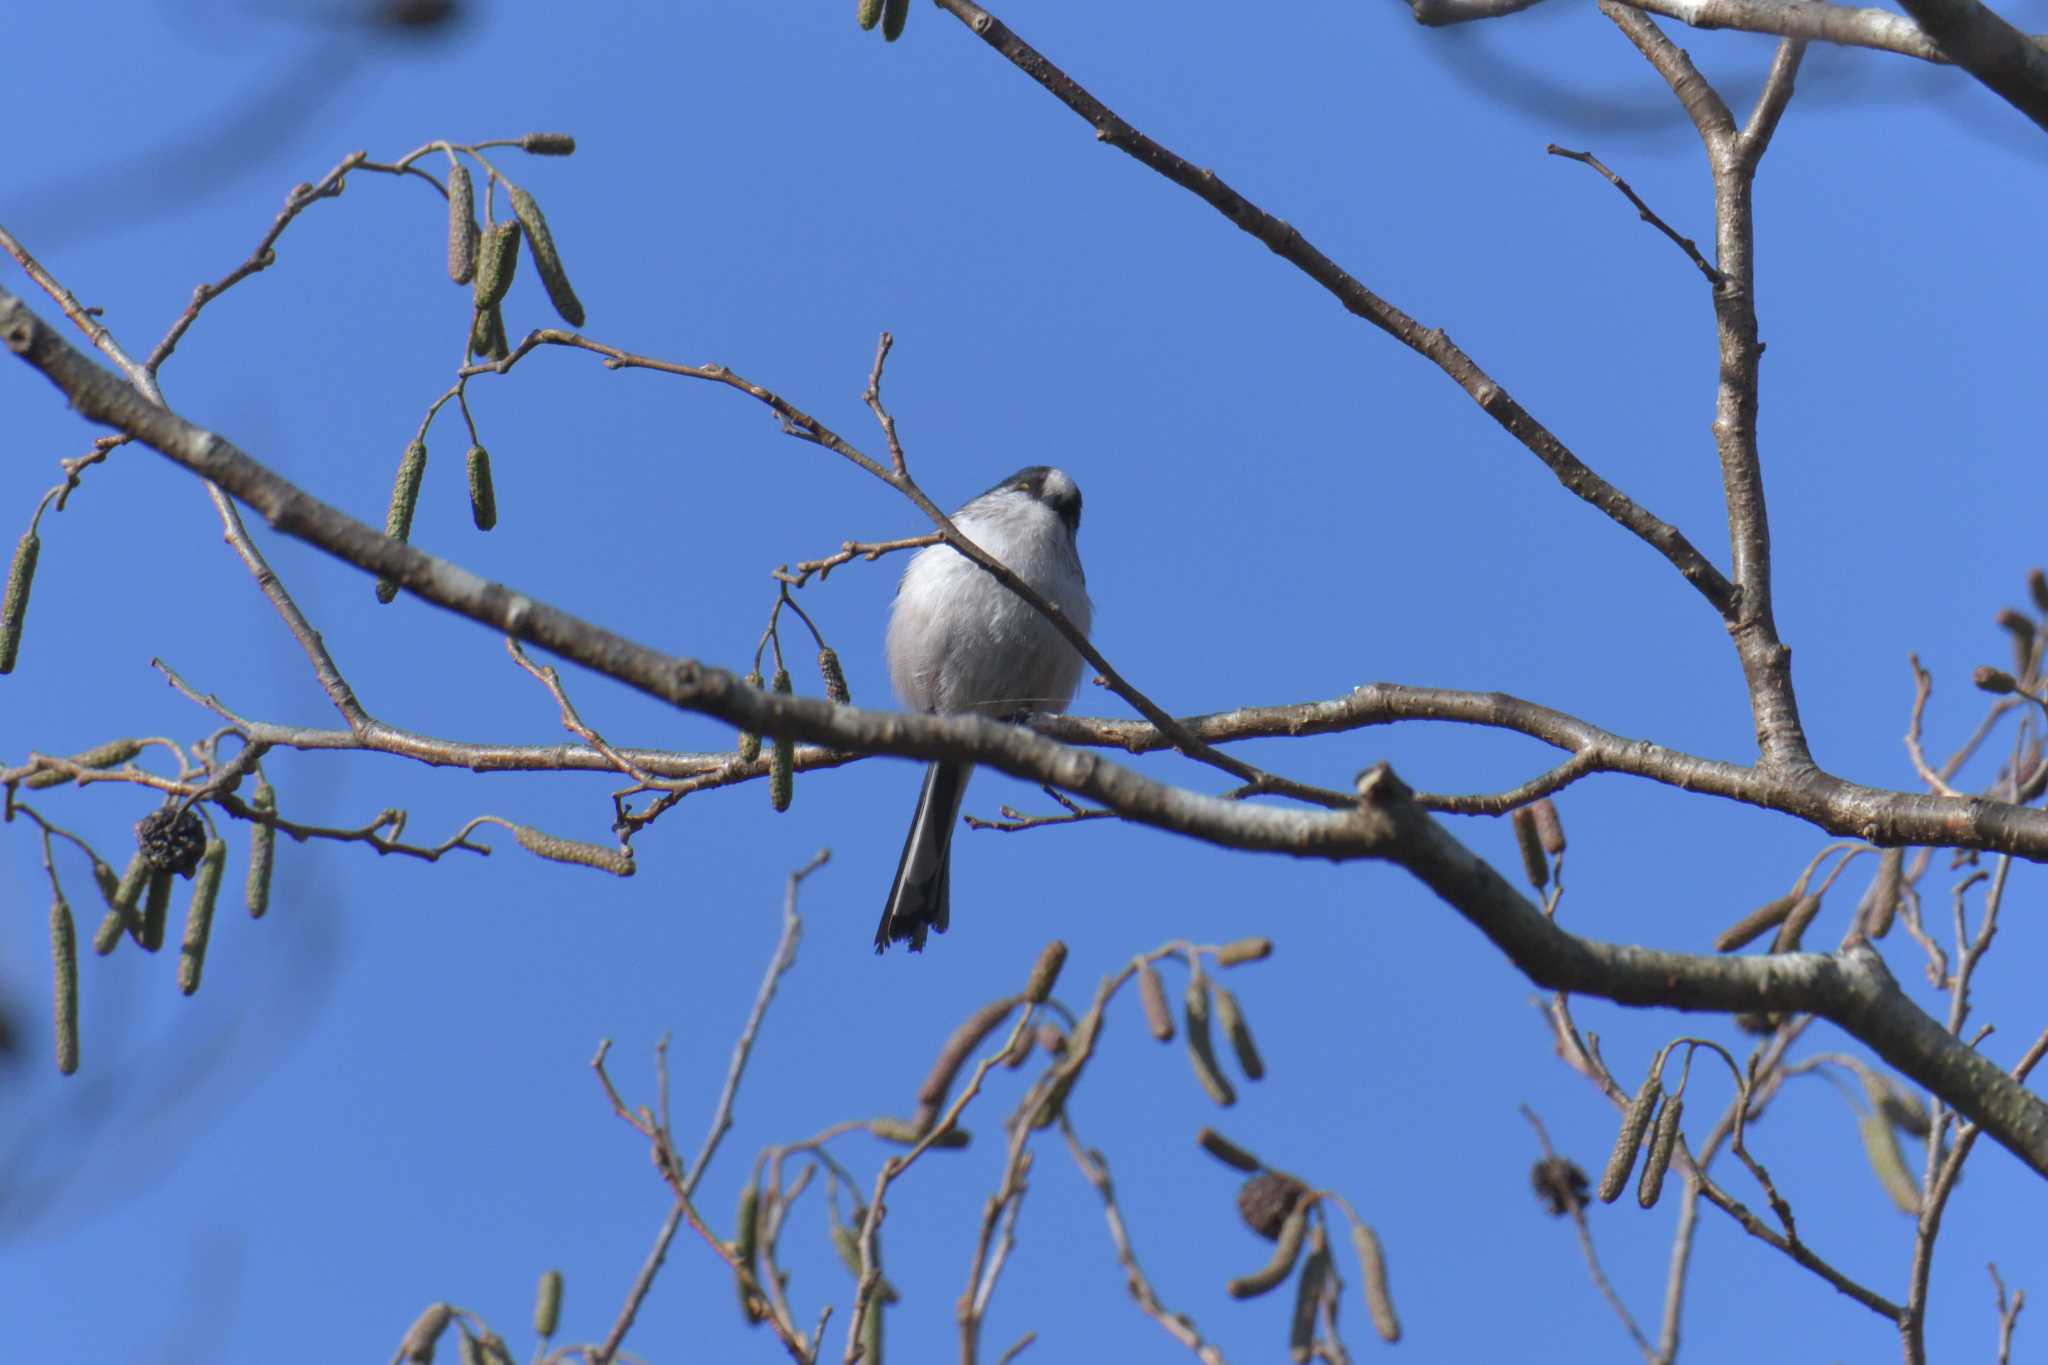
x=21, y=575
x=1372, y=1274
x=1308, y=1292
x=262, y=851
x=1286, y=1251
x=483, y=498
x=547, y=1304
x=101, y=756
x=1201, y=1048
x=1152, y=995
x=156, y=906
x=1663, y=1142
x=1881, y=1147
x=870, y=13
x=555, y=849
x=199, y=916
x=463, y=234
x=549, y=144
x=1881, y=901
x=64, y=990
x=497, y=262
x=1045, y=972
x=1793, y=931
x=1534, y=865
x=2037, y=588
x=1622, y=1159
x=1226, y=1151
x=546, y=259
x=1231, y=1016
x=894, y=13
x=1549, y=829
x=425, y=1333
x=1244, y=950
x=405, y=498
x=782, y=757
x=750, y=743
x=834, y=676
x=1769, y=915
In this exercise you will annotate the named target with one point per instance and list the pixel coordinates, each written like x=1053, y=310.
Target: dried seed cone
x=483, y=498
x=1372, y=1274
x=750, y=743
x=405, y=497
x=1535, y=866
x=1881, y=1146
x=555, y=849
x=1549, y=829
x=463, y=234
x=894, y=13
x=870, y=13
x=546, y=259
x=1622, y=1159
x=1229, y=1153
x=156, y=908
x=496, y=262
x=171, y=839
x=21, y=576
x=1202, y=1048
x=1244, y=950
x=1231, y=1017
x=1265, y=1201
x=262, y=852
x=425, y=1333
x=1663, y=1142
x=64, y=990
x=1152, y=995
x=1560, y=1184
x=1286, y=1251
x=1744, y=931
x=548, y=144
x=102, y=756
x=547, y=1304
x=834, y=676
x=199, y=916
x=782, y=759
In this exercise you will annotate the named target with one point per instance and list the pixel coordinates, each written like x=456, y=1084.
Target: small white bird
x=961, y=641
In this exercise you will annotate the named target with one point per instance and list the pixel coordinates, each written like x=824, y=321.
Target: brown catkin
x=1372, y=1274
x=1744, y=931
x=64, y=990
x=1308, y=1292
x=2037, y=588
x=483, y=498
x=894, y=13
x=199, y=915
x=546, y=259
x=1244, y=950
x=1152, y=995
x=1226, y=1151
x=1996, y=681
x=1045, y=972
x=1201, y=1048
x=463, y=234
x=405, y=498
x=21, y=576
x=782, y=757
x=1231, y=1016
x=1286, y=1251
x=1663, y=1142
x=555, y=849
x=1535, y=866
x=834, y=676
x=1881, y=902
x=1793, y=931
x=262, y=851
x=425, y=1333
x=1549, y=829
x=547, y=1304
x=549, y=144
x=1622, y=1159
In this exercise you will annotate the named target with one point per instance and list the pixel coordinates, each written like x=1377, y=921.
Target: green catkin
x=549, y=144
x=547, y=1304
x=894, y=13
x=156, y=907
x=1663, y=1141
x=546, y=259
x=870, y=13
x=21, y=575
x=750, y=743
x=834, y=676
x=559, y=850
x=497, y=262
x=463, y=234
x=1285, y=1253
x=782, y=760
x=1622, y=1159
x=405, y=498
x=262, y=851
x=1881, y=1146
x=199, y=915
x=483, y=498
x=64, y=958
x=102, y=756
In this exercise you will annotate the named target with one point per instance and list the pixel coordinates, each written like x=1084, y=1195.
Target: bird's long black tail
x=919, y=901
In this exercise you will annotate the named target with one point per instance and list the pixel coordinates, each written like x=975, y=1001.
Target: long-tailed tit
x=961, y=641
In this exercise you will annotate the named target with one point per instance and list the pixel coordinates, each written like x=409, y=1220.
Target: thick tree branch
x=2012, y=65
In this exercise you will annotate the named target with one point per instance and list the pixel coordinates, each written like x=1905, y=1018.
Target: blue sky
x=381, y=1098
